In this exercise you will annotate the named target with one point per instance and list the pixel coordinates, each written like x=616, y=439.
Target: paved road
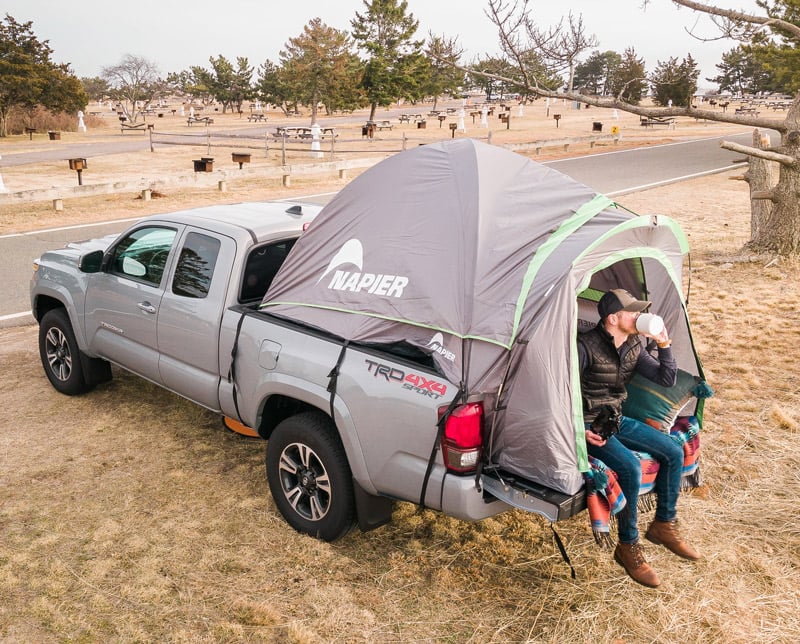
x=611, y=173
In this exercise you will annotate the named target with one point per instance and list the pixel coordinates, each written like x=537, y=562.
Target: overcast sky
x=92, y=34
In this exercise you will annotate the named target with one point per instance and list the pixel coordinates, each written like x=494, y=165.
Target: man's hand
x=594, y=439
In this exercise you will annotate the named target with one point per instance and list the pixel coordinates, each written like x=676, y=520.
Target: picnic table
x=301, y=132
x=652, y=121
x=257, y=117
x=123, y=126
x=206, y=120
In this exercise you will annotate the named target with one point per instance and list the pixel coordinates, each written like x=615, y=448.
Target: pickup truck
x=175, y=299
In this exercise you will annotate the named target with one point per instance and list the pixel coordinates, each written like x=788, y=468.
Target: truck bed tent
x=491, y=264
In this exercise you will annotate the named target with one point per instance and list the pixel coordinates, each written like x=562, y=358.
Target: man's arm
x=663, y=371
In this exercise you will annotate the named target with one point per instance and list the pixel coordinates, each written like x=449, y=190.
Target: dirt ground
x=130, y=515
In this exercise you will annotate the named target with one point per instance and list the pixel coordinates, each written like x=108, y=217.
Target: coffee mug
x=649, y=324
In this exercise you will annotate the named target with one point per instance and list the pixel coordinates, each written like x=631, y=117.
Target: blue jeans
x=616, y=454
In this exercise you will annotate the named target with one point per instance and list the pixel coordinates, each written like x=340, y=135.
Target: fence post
x=151, y=140
x=404, y=140
x=208, y=140
x=283, y=149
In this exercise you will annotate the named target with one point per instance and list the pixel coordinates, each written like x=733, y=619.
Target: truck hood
x=89, y=245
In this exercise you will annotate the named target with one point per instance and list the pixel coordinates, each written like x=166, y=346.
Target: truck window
x=195, y=267
x=143, y=254
x=262, y=264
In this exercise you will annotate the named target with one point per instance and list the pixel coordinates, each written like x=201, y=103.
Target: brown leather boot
x=665, y=533
x=631, y=557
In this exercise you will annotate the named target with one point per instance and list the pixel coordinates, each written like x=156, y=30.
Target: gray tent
x=492, y=264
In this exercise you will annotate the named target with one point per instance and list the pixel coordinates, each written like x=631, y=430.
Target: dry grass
x=131, y=515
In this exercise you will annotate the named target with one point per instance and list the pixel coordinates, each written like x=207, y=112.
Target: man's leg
x=629, y=474
x=628, y=552
x=641, y=437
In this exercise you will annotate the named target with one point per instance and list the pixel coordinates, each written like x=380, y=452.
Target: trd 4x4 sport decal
x=408, y=380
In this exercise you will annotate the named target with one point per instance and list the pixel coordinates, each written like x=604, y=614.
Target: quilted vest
x=608, y=370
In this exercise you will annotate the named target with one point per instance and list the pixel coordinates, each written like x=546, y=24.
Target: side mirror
x=91, y=262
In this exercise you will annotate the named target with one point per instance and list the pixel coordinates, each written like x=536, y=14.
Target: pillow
x=656, y=405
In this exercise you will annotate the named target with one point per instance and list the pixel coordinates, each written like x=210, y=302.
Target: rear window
x=262, y=264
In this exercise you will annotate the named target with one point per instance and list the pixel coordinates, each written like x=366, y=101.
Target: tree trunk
x=372, y=109
x=761, y=177
x=780, y=230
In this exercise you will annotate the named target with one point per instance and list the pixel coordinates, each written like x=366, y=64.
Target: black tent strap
x=333, y=376
x=439, y=431
x=563, y=550
x=232, y=369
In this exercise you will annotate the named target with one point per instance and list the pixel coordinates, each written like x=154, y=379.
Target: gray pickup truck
x=175, y=299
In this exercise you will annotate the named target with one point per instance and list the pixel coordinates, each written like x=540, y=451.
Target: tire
x=309, y=477
x=60, y=355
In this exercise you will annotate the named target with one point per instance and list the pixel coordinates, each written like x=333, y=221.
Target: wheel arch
x=372, y=510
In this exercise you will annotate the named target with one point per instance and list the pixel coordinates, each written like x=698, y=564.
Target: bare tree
x=135, y=83
x=778, y=230
x=562, y=45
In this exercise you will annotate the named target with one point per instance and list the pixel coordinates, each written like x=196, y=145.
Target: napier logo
x=437, y=344
x=351, y=254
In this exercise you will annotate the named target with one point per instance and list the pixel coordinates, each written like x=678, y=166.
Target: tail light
x=462, y=440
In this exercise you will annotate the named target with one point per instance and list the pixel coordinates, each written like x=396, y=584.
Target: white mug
x=649, y=324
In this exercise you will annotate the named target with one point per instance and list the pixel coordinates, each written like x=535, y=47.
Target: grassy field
x=131, y=515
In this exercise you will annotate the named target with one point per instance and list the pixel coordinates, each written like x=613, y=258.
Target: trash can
x=421, y=125
x=597, y=126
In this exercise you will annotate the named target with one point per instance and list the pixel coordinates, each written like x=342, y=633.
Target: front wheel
x=60, y=355
x=309, y=477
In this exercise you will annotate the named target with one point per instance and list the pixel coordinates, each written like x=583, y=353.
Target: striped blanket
x=604, y=498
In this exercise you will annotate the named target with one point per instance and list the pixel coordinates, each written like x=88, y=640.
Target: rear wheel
x=60, y=355
x=309, y=477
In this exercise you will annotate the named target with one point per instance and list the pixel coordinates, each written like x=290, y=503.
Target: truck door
x=122, y=301
x=191, y=313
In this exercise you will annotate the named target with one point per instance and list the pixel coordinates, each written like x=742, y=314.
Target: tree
x=778, y=26
x=395, y=66
x=444, y=77
x=135, y=83
x=319, y=66
x=629, y=81
x=28, y=77
x=96, y=88
x=740, y=72
x=271, y=86
x=596, y=75
x=229, y=85
x=675, y=83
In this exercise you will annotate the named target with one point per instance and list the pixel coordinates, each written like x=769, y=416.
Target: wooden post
x=58, y=205
x=146, y=194
x=222, y=186
x=761, y=178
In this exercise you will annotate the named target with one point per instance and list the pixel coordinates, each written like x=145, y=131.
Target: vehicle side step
x=532, y=497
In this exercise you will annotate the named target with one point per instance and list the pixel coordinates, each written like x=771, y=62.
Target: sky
x=92, y=34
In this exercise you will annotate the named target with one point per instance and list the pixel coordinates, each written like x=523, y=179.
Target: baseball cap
x=619, y=299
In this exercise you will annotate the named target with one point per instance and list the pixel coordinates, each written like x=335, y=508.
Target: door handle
x=146, y=307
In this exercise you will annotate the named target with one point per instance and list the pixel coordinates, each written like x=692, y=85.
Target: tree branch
x=783, y=159
x=740, y=16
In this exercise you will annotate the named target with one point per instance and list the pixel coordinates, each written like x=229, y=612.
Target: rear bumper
x=531, y=497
